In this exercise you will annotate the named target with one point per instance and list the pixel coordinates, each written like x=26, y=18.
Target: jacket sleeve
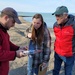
x=47, y=44
x=6, y=55
x=13, y=47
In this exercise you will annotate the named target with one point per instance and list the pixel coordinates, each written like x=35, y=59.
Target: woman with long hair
x=40, y=40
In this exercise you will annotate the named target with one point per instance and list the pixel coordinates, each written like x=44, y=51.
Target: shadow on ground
x=19, y=71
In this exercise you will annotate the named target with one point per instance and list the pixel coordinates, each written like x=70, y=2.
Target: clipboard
x=42, y=69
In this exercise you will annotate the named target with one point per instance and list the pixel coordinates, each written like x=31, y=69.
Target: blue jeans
x=30, y=59
x=68, y=65
x=35, y=71
x=29, y=65
x=30, y=69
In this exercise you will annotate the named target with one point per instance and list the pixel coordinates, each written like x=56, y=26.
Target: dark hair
x=2, y=14
x=39, y=34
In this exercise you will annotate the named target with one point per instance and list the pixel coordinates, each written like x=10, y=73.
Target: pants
x=30, y=69
x=35, y=71
x=30, y=59
x=68, y=65
x=29, y=65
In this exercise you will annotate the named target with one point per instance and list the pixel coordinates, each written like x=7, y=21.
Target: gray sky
x=37, y=5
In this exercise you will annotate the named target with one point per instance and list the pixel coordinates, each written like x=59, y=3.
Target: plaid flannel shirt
x=43, y=56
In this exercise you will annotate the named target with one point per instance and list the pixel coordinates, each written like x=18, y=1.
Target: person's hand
x=19, y=53
x=44, y=64
x=23, y=48
x=37, y=51
x=29, y=35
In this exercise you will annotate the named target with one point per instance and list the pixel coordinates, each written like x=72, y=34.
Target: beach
x=18, y=36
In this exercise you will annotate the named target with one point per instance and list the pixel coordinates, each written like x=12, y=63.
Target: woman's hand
x=29, y=35
x=44, y=64
x=37, y=51
x=23, y=48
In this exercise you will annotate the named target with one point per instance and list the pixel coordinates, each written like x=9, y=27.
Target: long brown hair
x=39, y=33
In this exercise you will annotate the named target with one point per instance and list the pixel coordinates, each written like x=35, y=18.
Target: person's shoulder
x=45, y=25
x=71, y=19
x=55, y=24
x=46, y=31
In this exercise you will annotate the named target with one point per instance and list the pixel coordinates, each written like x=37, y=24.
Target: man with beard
x=8, y=51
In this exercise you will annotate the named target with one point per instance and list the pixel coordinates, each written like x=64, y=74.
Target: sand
x=17, y=36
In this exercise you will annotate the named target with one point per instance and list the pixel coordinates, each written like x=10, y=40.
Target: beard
x=6, y=26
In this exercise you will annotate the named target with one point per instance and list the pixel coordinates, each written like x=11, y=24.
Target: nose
x=35, y=25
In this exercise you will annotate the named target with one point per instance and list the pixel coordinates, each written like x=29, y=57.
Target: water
x=48, y=17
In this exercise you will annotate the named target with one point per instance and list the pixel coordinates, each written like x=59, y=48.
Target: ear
x=66, y=15
x=6, y=18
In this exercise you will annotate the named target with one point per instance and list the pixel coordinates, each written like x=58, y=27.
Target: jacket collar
x=70, y=21
x=3, y=29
